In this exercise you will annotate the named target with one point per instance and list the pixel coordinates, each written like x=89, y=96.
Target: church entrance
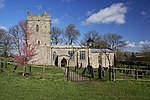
x=63, y=62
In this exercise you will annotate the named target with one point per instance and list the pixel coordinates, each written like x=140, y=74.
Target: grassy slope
x=13, y=88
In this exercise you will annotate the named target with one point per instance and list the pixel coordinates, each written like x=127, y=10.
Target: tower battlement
x=45, y=16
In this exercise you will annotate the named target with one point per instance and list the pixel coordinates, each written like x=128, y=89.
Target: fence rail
x=130, y=74
x=113, y=74
x=42, y=72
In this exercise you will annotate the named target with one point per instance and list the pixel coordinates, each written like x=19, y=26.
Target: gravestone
x=91, y=71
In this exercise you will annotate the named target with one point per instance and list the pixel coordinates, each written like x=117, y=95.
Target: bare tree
x=93, y=35
x=146, y=53
x=71, y=34
x=18, y=36
x=114, y=41
x=5, y=42
x=2, y=34
x=56, y=35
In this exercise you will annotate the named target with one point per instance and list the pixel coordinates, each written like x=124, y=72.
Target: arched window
x=37, y=28
x=54, y=55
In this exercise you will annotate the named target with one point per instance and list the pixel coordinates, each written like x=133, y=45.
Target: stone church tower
x=40, y=26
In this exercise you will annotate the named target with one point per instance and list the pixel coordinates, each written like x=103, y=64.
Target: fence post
x=1, y=66
x=125, y=73
x=15, y=68
x=136, y=74
x=67, y=73
x=113, y=74
x=110, y=73
x=43, y=72
x=30, y=73
x=24, y=69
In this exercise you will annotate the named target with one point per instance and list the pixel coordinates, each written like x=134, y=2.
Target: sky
x=129, y=18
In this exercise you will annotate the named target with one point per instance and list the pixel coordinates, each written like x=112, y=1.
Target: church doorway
x=56, y=61
x=63, y=62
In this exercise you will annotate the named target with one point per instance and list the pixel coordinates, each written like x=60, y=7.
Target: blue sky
x=130, y=18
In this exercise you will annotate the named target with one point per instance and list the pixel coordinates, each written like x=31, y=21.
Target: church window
x=54, y=55
x=37, y=28
x=71, y=54
x=38, y=42
x=82, y=55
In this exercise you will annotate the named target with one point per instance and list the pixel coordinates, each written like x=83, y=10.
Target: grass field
x=13, y=87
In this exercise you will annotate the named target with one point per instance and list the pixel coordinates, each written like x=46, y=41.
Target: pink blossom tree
x=28, y=50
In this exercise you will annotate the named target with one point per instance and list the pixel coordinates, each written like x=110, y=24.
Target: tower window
x=38, y=42
x=37, y=28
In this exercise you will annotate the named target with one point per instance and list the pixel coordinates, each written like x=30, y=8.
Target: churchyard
x=50, y=82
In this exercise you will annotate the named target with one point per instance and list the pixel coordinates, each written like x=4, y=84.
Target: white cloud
x=144, y=42
x=113, y=14
x=3, y=27
x=39, y=7
x=2, y=3
x=130, y=44
x=90, y=12
x=136, y=46
x=55, y=21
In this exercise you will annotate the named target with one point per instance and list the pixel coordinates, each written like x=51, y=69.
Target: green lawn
x=13, y=87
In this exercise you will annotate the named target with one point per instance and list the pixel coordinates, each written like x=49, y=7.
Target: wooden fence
x=44, y=72
x=35, y=71
x=129, y=74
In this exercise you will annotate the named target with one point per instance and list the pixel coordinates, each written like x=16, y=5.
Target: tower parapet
x=45, y=16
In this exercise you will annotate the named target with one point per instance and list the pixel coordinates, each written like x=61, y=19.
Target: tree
x=146, y=53
x=97, y=43
x=28, y=49
x=56, y=35
x=71, y=34
x=17, y=37
x=5, y=42
x=93, y=35
x=114, y=41
x=2, y=34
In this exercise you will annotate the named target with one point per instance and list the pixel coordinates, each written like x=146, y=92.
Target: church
x=64, y=55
